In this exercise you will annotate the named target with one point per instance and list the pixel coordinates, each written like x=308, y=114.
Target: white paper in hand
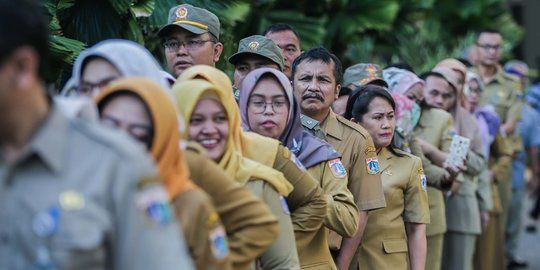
x=458, y=151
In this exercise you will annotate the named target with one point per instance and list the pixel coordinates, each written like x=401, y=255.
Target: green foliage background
x=419, y=32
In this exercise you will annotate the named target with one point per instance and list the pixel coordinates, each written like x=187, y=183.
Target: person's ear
x=218, y=49
x=354, y=120
x=336, y=94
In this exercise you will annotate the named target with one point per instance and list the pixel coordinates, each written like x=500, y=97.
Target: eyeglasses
x=86, y=88
x=258, y=106
x=487, y=47
x=173, y=45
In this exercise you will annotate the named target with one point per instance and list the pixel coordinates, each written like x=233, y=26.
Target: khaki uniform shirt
x=360, y=161
x=384, y=244
x=281, y=254
x=435, y=127
x=85, y=197
x=205, y=235
x=341, y=207
x=504, y=94
x=249, y=224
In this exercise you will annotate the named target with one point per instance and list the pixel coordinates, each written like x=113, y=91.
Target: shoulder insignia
x=337, y=168
x=218, y=242
x=370, y=149
x=372, y=165
x=423, y=181
x=153, y=202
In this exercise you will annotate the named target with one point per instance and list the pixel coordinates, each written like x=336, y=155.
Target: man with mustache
x=317, y=76
x=190, y=38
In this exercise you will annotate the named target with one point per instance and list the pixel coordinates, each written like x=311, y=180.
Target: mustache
x=313, y=95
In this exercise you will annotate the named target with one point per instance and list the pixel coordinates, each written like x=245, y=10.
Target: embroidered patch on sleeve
x=337, y=168
x=372, y=165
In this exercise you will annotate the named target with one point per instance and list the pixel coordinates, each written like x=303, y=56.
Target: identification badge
x=153, y=202
x=372, y=165
x=219, y=243
x=337, y=168
x=284, y=205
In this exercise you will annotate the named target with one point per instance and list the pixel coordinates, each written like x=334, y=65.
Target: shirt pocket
x=395, y=245
x=80, y=242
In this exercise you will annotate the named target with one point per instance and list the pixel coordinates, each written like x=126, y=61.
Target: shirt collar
x=385, y=156
x=425, y=119
x=331, y=125
x=50, y=141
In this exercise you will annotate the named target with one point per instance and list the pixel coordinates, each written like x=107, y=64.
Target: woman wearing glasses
x=268, y=107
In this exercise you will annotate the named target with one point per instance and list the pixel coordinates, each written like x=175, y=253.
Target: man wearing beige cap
x=255, y=52
x=191, y=37
x=462, y=208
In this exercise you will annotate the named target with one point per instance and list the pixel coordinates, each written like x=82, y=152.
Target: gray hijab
x=130, y=58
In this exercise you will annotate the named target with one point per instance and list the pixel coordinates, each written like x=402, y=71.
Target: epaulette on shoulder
x=353, y=125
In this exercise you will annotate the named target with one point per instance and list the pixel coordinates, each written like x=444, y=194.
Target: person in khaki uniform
x=435, y=128
x=502, y=91
x=489, y=252
x=317, y=75
x=74, y=195
x=208, y=110
x=204, y=232
x=306, y=202
x=269, y=86
x=462, y=211
x=395, y=236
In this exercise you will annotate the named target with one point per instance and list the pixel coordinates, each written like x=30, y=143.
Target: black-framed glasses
x=258, y=106
x=87, y=88
x=172, y=45
x=488, y=47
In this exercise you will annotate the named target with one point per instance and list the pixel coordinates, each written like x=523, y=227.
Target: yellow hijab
x=165, y=147
x=187, y=94
x=252, y=145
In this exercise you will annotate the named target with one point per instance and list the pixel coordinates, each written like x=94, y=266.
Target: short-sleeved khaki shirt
x=385, y=240
x=85, y=197
x=359, y=158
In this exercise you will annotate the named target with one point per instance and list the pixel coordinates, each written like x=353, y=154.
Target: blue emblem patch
x=219, y=243
x=423, y=180
x=337, y=168
x=372, y=165
x=153, y=202
x=284, y=205
x=46, y=223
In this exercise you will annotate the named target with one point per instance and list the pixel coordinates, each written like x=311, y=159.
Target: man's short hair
x=321, y=54
x=279, y=27
x=23, y=24
x=487, y=31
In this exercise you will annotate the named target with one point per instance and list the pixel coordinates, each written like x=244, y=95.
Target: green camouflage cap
x=193, y=19
x=362, y=74
x=259, y=45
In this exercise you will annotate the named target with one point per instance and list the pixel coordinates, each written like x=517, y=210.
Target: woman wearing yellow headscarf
x=307, y=201
x=145, y=110
x=212, y=121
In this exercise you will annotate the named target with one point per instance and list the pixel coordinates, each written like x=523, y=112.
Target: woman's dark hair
x=104, y=102
x=358, y=104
